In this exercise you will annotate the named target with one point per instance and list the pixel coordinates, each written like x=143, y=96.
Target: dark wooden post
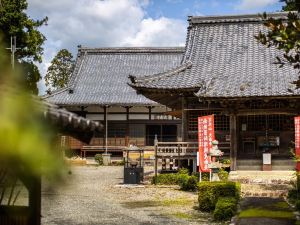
x=104, y=125
x=127, y=126
x=233, y=141
x=35, y=191
x=155, y=162
x=184, y=119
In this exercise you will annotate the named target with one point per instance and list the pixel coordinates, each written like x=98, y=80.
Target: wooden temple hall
x=225, y=71
x=98, y=91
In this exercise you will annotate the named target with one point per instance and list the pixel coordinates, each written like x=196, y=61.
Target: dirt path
x=91, y=196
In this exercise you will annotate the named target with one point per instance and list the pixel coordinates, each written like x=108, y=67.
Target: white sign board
x=267, y=158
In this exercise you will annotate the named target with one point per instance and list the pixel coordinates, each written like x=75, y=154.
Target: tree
x=59, y=71
x=15, y=22
x=284, y=34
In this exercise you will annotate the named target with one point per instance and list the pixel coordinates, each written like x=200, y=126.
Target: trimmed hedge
x=166, y=179
x=186, y=182
x=225, y=208
x=99, y=159
x=210, y=192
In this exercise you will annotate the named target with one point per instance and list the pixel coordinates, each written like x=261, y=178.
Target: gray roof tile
x=101, y=75
x=226, y=61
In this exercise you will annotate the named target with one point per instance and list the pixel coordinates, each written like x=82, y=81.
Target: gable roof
x=224, y=60
x=101, y=75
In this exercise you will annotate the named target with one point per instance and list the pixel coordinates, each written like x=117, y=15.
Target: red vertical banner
x=206, y=134
x=297, y=141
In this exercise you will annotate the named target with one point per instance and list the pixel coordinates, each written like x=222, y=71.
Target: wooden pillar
x=233, y=141
x=184, y=121
x=35, y=192
x=105, y=126
x=156, y=159
x=127, y=126
x=150, y=111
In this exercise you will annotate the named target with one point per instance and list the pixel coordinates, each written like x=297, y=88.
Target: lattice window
x=270, y=122
x=116, y=130
x=221, y=121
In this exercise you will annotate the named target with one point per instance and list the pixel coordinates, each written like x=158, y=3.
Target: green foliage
x=186, y=182
x=15, y=22
x=297, y=205
x=209, y=193
x=225, y=161
x=183, y=171
x=166, y=179
x=27, y=141
x=225, y=208
x=290, y=5
x=293, y=196
x=60, y=70
x=223, y=175
x=99, y=159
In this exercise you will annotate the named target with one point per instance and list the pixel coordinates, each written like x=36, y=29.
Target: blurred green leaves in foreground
x=28, y=142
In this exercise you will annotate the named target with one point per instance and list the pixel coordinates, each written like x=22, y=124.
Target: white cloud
x=159, y=32
x=254, y=4
x=105, y=23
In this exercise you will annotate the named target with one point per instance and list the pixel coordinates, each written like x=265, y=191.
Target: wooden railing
x=176, y=149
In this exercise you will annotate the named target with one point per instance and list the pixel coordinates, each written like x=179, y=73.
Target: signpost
x=297, y=141
x=206, y=134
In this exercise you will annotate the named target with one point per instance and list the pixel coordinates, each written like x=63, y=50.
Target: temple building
x=98, y=90
x=226, y=72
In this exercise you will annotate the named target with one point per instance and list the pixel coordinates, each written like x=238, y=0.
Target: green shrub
x=187, y=183
x=99, y=159
x=209, y=193
x=297, y=205
x=223, y=175
x=183, y=171
x=166, y=179
x=225, y=208
x=293, y=195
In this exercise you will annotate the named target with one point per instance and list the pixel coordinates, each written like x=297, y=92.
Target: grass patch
x=258, y=212
x=281, y=205
x=156, y=203
x=181, y=215
x=141, y=204
x=178, y=201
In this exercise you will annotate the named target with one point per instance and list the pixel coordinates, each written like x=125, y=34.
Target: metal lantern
x=134, y=165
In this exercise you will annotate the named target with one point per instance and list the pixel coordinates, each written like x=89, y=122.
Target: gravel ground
x=92, y=195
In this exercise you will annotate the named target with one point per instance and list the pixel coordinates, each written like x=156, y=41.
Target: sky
x=127, y=23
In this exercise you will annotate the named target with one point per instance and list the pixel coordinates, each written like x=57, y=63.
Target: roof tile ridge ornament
x=135, y=81
x=234, y=18
x=204, y=87
x=130, y=50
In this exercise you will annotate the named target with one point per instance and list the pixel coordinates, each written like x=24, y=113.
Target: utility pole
x=13, y=48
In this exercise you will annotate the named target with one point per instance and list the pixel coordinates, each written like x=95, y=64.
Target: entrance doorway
x=165, y=133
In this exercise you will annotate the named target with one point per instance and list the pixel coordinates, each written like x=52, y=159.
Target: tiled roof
x=101, y=75
x=225, y=60
x=69, y=123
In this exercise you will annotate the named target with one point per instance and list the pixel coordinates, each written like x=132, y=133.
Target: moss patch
x=258, y=212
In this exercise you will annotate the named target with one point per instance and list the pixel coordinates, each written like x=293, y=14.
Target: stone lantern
x=215, y=165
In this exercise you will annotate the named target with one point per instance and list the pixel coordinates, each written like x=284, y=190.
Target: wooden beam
x=253, y=112
x=233, y=141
